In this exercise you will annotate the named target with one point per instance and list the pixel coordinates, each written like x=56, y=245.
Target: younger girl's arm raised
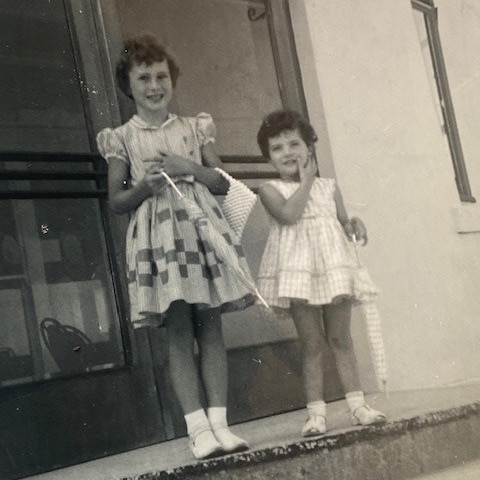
x=288, y=211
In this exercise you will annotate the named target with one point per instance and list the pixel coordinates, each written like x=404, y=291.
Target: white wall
x=394, y=167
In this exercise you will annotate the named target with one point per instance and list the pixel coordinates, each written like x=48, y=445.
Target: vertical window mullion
x=286, y=62
x=430, y=13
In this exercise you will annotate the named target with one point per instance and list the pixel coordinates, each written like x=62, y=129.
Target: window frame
x=97, y=190
x=278, y=17
x=430, y=15
x=290, y=85
x=84, y=26
x=97, y=173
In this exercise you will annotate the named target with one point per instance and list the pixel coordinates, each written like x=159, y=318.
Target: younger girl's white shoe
x=315, y=425
x=204, y=445
x=364, y=415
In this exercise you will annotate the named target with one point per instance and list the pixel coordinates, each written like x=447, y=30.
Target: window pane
x=41, y=105
x=53, y=265
x=225, y=55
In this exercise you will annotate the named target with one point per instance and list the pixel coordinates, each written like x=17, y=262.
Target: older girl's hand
x=174, y=165
x=154, y=178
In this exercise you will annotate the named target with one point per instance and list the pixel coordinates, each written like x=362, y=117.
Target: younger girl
x=173, y=276
x=307, y=266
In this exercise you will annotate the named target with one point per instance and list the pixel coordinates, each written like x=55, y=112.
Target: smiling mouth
x=156, y=98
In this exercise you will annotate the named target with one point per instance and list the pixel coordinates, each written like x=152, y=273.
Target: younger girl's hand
x=348, y=229
x=307, y=170
x=359, y=230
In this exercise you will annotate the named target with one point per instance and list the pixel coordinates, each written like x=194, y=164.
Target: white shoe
x=315, y=425
x=364, y=415
x=205, y=445
x=229, y=441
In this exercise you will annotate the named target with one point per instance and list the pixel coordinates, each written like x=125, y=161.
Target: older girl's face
x=286, y=151
x=151, y=87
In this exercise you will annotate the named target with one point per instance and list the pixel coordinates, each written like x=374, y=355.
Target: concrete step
x=464, y=471
x=427, y=430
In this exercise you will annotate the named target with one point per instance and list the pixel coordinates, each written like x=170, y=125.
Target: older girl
x=174, y=277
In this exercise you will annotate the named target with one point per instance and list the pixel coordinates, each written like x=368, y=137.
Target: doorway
x=62, y=250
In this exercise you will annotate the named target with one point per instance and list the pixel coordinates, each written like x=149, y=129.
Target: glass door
x=61, y=252
x=54, y=260
x=72, y=386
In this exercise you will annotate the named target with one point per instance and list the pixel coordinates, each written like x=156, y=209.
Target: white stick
x=261, y=298
x=172, y=183
x=354, y=238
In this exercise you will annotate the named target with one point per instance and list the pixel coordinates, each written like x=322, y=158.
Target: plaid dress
x=312, y=259
x=166, y=258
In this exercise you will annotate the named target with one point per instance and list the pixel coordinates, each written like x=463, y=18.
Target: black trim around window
x=91, y=183
x=430, y=13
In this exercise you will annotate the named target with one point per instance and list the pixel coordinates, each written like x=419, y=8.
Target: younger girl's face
x=151, y=87
x=286, y=151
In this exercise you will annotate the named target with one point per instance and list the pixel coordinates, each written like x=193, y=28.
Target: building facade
x=392, y=89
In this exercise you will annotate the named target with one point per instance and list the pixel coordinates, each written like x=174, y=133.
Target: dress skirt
x=167, y=260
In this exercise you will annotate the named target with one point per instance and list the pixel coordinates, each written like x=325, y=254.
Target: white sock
x=197, y=422
x=218, y=421
x=355, y=400
x=318, y=408
x=217, y=416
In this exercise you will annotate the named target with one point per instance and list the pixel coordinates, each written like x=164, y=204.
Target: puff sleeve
x=206, y=129
x=110, y=145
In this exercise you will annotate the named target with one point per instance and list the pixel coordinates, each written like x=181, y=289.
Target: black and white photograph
x=239, y=239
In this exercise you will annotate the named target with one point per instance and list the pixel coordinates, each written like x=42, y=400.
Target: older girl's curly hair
x=280, y=121
x=138, y=50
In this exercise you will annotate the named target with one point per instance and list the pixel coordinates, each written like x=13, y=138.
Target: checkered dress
x=312, y=259
x=166, y=258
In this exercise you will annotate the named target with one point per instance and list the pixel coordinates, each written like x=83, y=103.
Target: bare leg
x=337, y=328
x=185, y=380
x=308, y=321
x=310, y=331
x=213, y=364
x=183, y=371
x=213, y=358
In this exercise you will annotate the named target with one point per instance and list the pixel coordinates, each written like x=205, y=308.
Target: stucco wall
x=363, y=69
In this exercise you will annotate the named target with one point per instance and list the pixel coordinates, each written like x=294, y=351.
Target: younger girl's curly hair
x=138, y=50
x=279, y=121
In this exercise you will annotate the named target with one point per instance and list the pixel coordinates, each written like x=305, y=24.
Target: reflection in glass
x=56, y=296
x=226, y=61
x=41, y=104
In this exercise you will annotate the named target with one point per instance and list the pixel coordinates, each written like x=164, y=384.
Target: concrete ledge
x=428, y=430
x=397, y=450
